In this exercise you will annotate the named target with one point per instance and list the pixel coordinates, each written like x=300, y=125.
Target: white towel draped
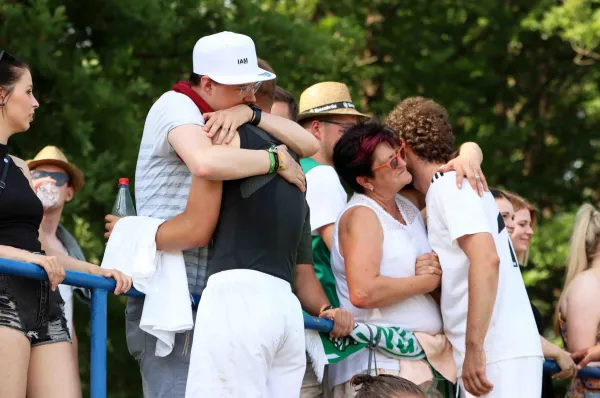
x=160, y=275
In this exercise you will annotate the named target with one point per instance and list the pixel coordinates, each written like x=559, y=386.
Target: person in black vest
x=37, y=359
x=262, y=238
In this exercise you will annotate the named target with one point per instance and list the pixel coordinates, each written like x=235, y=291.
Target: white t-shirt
x=325, y=195
x=451, y=214
x=162, y=180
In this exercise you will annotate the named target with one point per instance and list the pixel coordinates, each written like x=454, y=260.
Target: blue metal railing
x=100, y=287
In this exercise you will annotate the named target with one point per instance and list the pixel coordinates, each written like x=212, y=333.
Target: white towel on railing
x=160, y=275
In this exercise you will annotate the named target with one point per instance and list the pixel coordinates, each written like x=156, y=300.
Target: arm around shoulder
x=291, y=134
x=215, y=162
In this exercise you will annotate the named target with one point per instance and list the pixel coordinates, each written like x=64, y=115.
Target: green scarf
x=391, y=341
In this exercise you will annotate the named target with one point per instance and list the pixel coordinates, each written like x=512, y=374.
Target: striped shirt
x=162, y=180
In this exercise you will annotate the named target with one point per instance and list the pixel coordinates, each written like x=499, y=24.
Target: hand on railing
x=123, y=282
x=50, y=264
x=567, y=366
x=584, y=357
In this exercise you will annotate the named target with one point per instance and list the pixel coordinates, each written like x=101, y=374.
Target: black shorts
x=29, y=306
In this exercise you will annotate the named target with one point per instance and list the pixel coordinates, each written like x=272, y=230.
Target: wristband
x=256, y=115
x=280, y=157
x=276, y=157
x=271, y=162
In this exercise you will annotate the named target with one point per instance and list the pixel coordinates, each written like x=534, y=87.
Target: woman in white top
x=380, y=255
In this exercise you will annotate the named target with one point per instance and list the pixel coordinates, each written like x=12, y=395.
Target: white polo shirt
x=451, y=214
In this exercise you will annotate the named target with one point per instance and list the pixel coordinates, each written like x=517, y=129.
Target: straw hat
x=327, y=98
x=53, y=155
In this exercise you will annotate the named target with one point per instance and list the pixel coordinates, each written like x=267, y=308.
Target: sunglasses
x=6, y=56
x=60, y=178
x=394, y=162
x=346, y=125
x=247, y=88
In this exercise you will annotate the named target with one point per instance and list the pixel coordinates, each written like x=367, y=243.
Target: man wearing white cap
x=180, y=171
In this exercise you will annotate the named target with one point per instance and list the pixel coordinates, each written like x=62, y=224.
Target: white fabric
x=162, y=180
x=452, y=213
x=160, y=275
x=402, y=244
x=66, y=293
x=228, y=58
x=251, y=342
x=512, y=378
x=325, y=195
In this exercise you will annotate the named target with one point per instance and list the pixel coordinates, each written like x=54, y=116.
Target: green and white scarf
x=392, y=341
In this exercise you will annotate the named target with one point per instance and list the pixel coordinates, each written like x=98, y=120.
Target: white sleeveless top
x=402, y=244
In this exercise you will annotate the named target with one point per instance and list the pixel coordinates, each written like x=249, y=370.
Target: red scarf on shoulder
x=186, y=89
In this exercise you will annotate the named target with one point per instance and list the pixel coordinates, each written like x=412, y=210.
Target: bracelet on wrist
x=256, y=115
x=271, y=162
x=280, y=157
x=276, y=157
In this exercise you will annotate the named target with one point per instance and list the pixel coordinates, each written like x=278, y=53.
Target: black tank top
x=261, y=220
x=21, y=211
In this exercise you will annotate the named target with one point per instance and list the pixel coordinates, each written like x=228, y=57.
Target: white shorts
x=248, y=339
x=513, y=378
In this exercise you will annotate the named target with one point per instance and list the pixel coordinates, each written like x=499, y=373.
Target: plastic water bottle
x=123, y=206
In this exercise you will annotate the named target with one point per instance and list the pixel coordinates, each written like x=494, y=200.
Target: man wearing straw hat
x=56, y=180
x=326, y=110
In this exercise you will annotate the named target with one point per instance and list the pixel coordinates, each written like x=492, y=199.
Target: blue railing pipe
x=100, y=287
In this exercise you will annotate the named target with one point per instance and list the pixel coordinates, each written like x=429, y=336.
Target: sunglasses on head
x=6, y=56
x=60, y=178
x=393, y=163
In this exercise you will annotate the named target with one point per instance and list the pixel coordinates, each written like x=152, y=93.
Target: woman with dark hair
x=380, y=256
x=386, y=386
x=36, y=360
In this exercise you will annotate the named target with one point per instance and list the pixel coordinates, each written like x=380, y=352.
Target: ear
x=364, y=182
x=316, y=128
x=411, y=156
x=207, y=85
x=70, y=194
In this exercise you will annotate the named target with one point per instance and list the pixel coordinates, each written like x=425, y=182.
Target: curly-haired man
x=483, y=295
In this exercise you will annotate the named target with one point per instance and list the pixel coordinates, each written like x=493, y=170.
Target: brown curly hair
x=424, y=125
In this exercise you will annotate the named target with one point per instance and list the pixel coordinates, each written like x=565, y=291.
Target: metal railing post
x=98, y=343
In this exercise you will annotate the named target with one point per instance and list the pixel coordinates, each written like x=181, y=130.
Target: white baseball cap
x=228, y=58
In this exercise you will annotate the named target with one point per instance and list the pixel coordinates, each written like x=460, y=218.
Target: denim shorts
x=29, y=306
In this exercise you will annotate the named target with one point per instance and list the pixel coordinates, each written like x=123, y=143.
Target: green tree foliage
x=518, y=77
